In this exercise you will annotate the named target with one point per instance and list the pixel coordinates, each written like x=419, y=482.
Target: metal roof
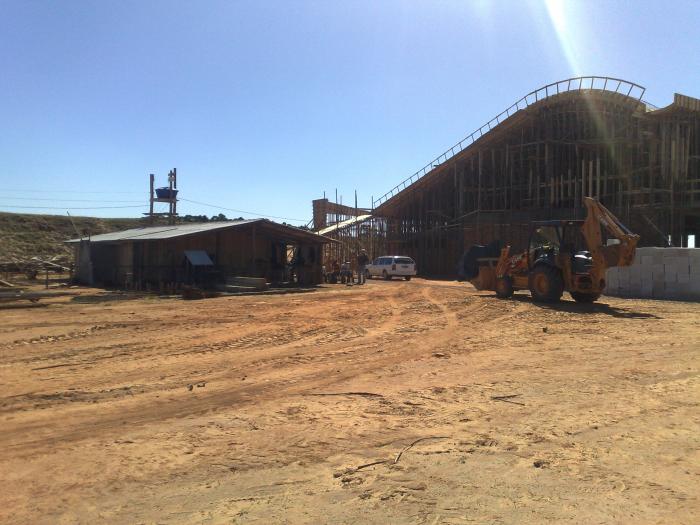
x=158, y=233
x=154, y=233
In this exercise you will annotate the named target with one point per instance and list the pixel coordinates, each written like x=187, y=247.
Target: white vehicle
x=391, y=266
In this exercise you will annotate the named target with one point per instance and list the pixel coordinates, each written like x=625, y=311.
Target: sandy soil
x=270, y=409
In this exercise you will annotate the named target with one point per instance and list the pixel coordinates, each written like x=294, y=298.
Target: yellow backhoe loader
x=566, y=255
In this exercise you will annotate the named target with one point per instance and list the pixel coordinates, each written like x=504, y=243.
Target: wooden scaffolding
x=589, y=136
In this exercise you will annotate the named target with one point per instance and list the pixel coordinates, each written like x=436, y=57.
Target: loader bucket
x=486, y=280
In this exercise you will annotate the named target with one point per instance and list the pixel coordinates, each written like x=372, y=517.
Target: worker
x=298, y=263
x=346, y=273
x=334, y=275
x=362, y=261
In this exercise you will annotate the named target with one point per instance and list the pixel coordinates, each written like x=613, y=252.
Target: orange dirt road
x=295, y=408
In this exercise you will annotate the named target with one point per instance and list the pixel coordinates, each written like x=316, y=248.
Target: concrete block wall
x=658, y=273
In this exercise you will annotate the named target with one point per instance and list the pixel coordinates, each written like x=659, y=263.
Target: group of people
x=344, y=273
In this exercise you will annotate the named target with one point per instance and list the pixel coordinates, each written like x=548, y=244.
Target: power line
x=116, y=201
x=110, y=192
x=61, y=200
x=64, y=208
x=242, y=211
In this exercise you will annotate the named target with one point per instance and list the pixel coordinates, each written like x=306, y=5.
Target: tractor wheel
x=386, y=276
x=407, y=277
x=546, y=284
x=580, y=297
x=504, y=287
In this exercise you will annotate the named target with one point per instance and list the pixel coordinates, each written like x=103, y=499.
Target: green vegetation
x=23, y=236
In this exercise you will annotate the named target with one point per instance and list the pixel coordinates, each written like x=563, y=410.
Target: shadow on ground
x=108, y=297
x=578, y=308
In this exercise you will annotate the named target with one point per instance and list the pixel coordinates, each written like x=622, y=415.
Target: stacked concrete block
x=612, y=279
x=636, y=278
x=657, y=278
x=623, y=289
x=659, y=273
x=694, y=271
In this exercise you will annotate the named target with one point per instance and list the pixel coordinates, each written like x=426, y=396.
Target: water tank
x=166, y=193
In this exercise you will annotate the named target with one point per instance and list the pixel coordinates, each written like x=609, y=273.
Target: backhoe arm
x=604, y=257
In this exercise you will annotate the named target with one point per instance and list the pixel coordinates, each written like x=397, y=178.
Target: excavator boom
x=604, y=256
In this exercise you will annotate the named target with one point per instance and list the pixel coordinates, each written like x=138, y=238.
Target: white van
x=390, y=266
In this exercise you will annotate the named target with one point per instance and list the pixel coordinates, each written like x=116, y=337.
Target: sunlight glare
x=556, y=9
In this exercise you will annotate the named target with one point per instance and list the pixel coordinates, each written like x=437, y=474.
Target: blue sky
x=264, y=105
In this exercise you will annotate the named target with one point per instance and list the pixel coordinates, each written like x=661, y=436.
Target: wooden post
x=170, y=204
x=357, y=230
x=152, y=177
x=493, y=179
x=538, y=176
x=561, y=190
x=478, y=191
x=252, y=255
x=174, y=186
x=455, y=186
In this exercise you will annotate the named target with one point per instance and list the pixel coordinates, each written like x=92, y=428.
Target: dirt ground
x=273, y=409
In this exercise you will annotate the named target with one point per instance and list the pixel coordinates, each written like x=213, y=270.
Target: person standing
x=346, y=273
x=362, y=261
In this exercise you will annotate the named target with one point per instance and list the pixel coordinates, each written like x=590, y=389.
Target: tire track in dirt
x=353, y=358
x=571, y=444
x=272, y=353
x=279, y=374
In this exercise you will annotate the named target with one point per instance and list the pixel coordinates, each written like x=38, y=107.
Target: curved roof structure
x=622, y=91
x=539, y=159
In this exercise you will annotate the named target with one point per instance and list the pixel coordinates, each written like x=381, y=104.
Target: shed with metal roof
x=156, y=256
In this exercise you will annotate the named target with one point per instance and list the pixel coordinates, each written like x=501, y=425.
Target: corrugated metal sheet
x=155, y=233
x=158, y=233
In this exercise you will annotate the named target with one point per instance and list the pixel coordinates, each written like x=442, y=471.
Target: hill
x=23, y=236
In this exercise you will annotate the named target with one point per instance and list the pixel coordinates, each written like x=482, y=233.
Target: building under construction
x=587, y=136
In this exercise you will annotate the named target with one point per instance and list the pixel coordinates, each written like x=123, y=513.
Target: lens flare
x=556, y=9
x=562, y=16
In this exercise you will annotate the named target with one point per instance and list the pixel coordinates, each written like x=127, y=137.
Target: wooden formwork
x=539, y=163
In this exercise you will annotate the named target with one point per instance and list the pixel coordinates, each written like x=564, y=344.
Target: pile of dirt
x=23, y=236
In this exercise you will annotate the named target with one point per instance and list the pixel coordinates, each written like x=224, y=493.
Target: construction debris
x=19, y=294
